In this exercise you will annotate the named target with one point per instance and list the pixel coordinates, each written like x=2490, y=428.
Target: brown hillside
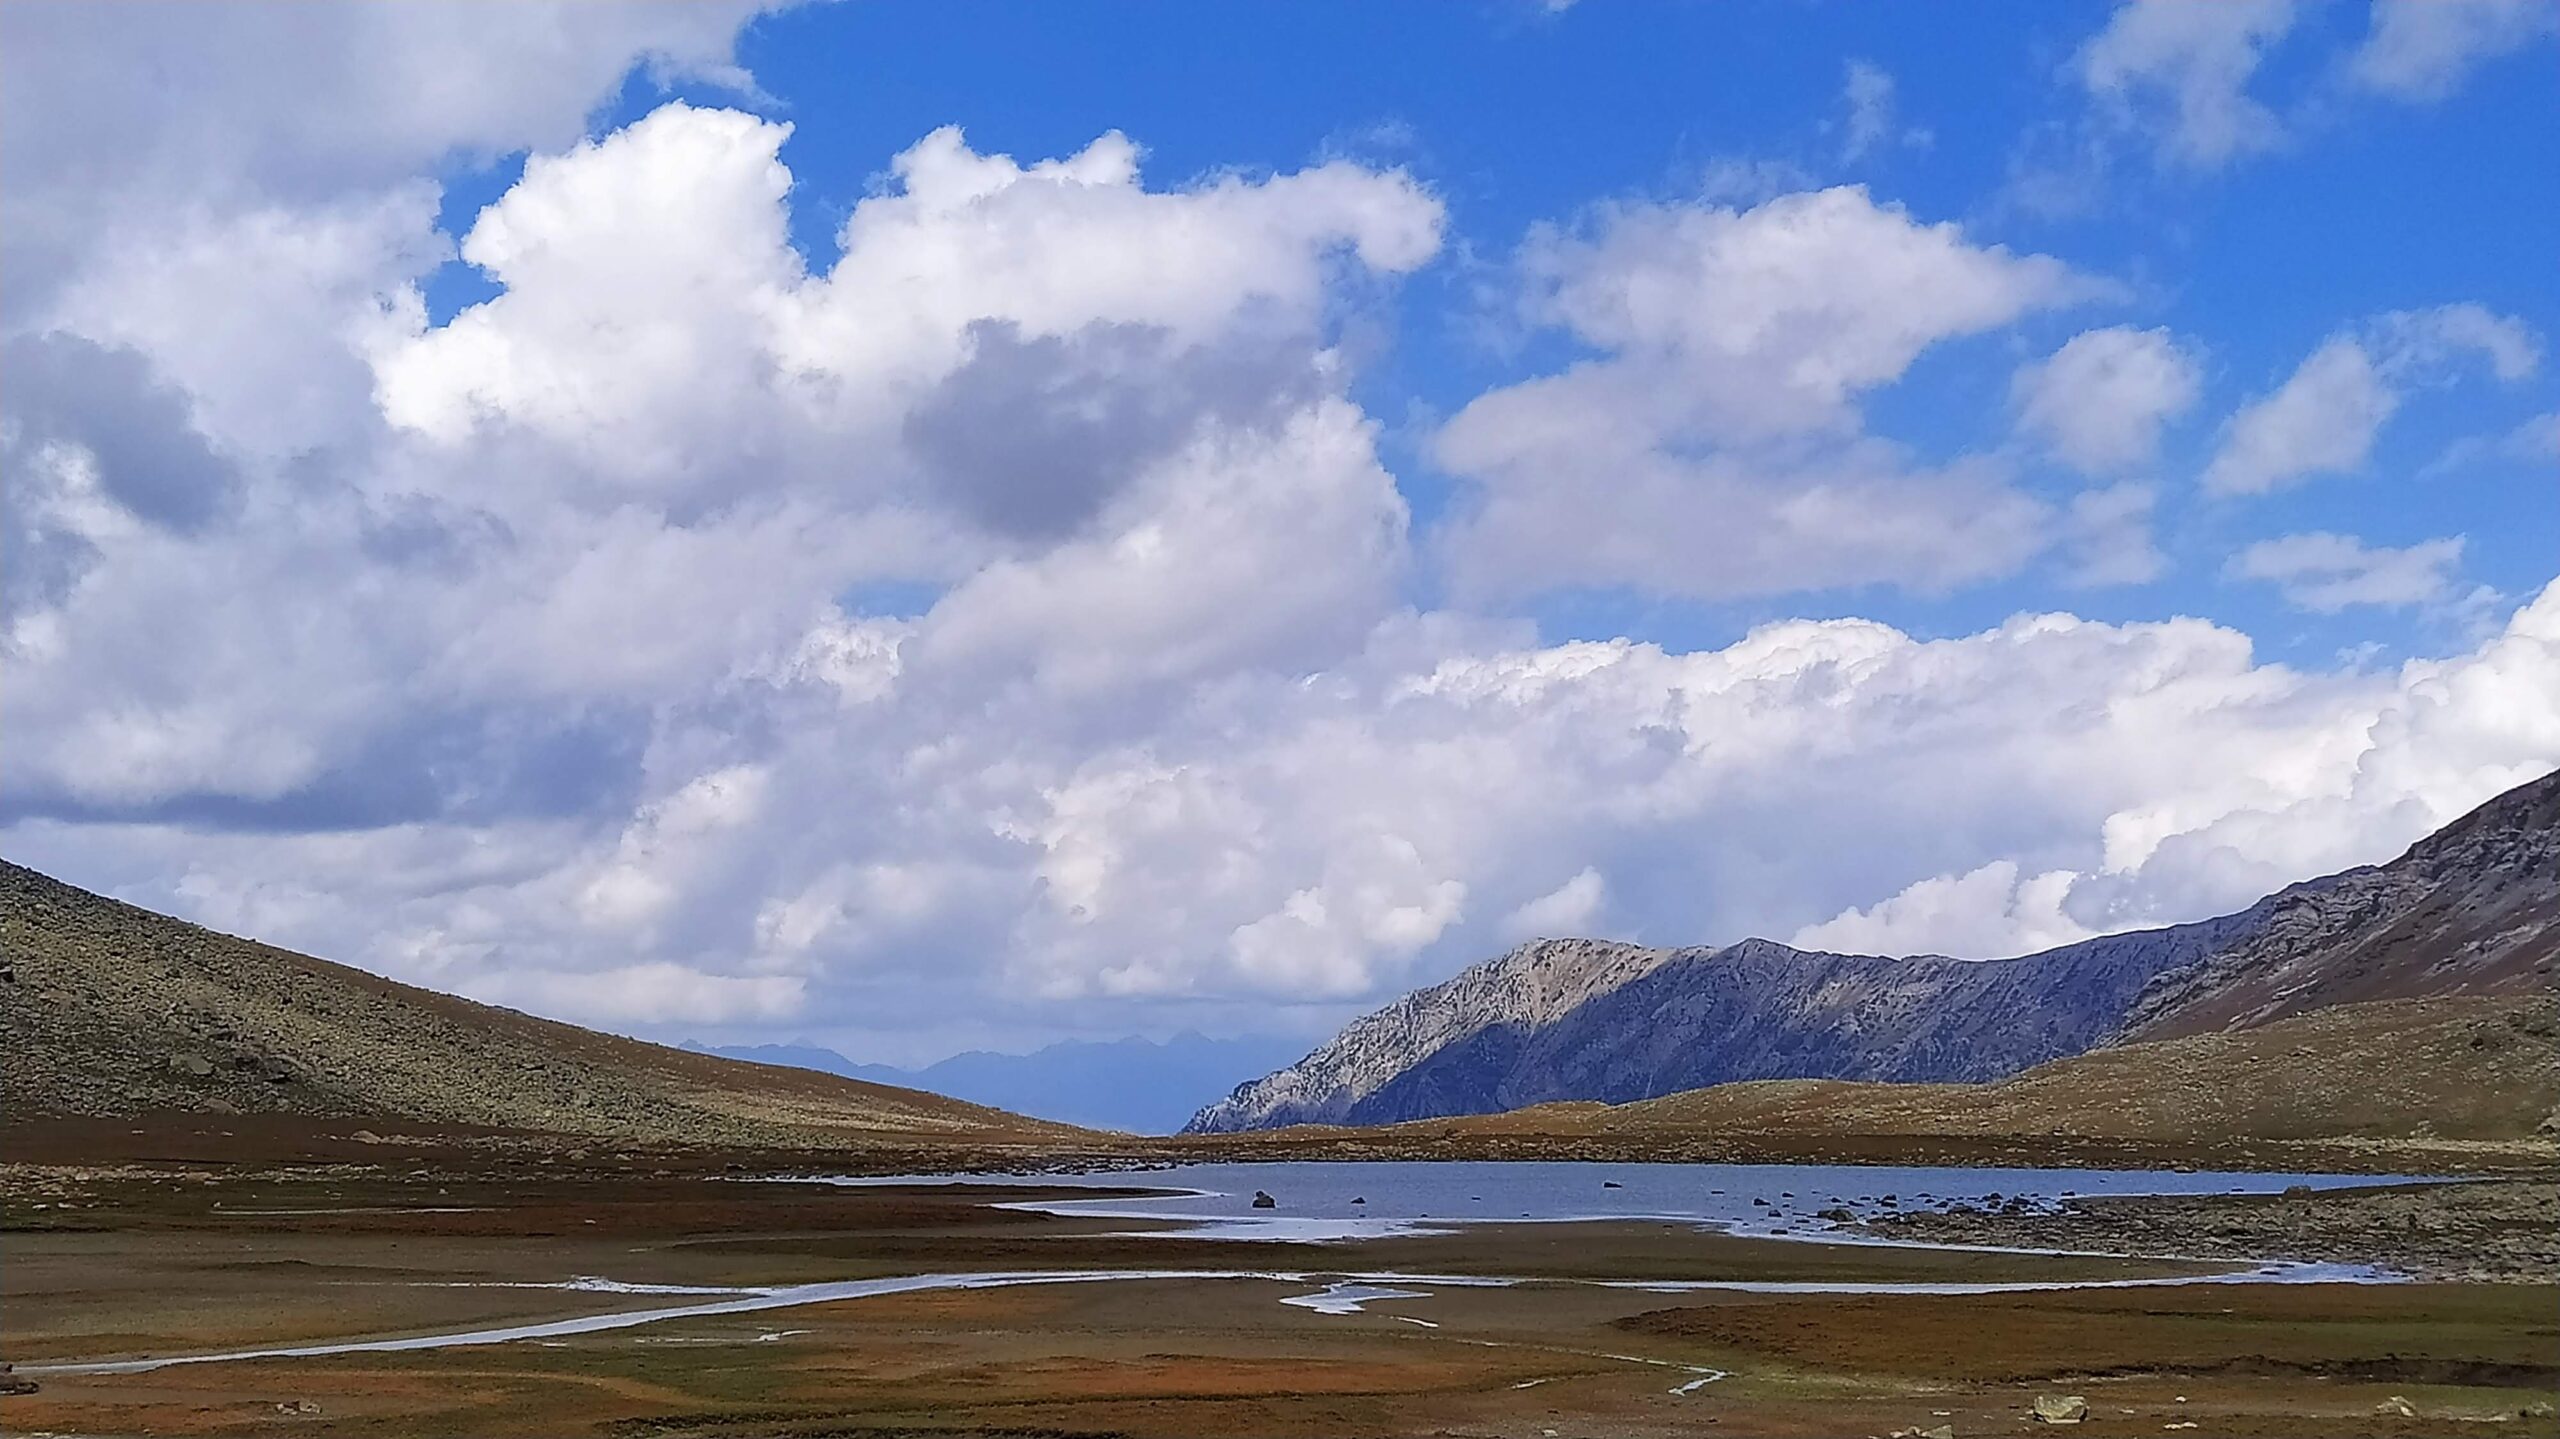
x=2462, y=1068
x=110, y=1010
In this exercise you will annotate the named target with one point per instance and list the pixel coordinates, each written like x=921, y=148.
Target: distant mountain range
x=1138, y=1086
x=2471, y=910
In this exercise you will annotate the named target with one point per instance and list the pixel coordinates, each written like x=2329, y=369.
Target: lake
x=1365, y=1199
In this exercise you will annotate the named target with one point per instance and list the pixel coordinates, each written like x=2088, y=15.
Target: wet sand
x=171, y=1257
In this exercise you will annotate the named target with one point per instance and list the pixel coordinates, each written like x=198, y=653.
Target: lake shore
x=174, y=1256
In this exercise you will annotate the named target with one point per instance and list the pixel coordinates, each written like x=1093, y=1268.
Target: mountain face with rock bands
x=2473, y=909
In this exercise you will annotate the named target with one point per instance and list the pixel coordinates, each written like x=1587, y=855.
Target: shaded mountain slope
x=2472, y=909
x=107, y=1009
x=2467, y=1068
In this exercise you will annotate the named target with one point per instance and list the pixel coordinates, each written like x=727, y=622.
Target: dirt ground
x=172, y=1255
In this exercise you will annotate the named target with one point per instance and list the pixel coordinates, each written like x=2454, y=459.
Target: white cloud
x=112, y=126
x=2099, y=402
x=1712, y=449
x=1867, y=95
x=2108, y=535
x=2325, y=417
x=2181, y=71
x=2326, y=573
x=2322, y=420
x=1007, y=629
x=1990, y=913
x=2422, y=50
x=1572, y=908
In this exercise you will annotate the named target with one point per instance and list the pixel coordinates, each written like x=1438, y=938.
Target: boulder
x=2060, y=1409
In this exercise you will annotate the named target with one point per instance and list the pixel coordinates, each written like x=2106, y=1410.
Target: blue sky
x=499, y=535
x=1517, y=116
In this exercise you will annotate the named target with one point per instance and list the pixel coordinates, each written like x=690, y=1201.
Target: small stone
x=2397, y=1405
x=2060, y=1408
x=191, y=1066
x=1264, y=1201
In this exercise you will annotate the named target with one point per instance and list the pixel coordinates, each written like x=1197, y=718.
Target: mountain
x=2471, y=1068
x=108, y=1010
x=2470, y=910
x=1137, y=1086
x=1534, y=984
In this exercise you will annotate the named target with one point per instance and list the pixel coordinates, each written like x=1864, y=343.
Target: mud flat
x=1596, y=1332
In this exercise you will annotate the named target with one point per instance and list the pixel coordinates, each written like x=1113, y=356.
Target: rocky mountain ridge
x=2473, y=909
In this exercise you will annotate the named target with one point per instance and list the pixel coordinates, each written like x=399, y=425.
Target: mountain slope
x=2465, y=1068
x=110, y=1010
x=1138, y=1086
x=2474, y=909
x=1655, y=1022
x=1534, y=984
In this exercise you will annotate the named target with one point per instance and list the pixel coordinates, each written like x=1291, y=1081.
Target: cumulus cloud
x=1574, y=907
x=2326, y=573
x=115, y=121
x=2099, y=402
x=540, y=653
x=2324, y=418
x=1712, y=447
x=2181, y=72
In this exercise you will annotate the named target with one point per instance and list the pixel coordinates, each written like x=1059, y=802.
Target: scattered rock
x=10, y=1383
x=365, y=1136
x=191, y=1066
x=2398, y=1406
x=1941, y=1431
x=220, y=1106
x=1836, y=1216
x=2060, y=1409
x=2538, y=1409
x=1264, y=1201
x=298, y=1406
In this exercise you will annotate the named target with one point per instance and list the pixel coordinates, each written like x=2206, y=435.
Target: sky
x=920, y=528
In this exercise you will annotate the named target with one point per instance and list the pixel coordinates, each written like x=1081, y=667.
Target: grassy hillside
x=2461, y=1068
x=109, y=1010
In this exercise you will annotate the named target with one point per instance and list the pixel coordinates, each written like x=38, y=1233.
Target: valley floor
x=409, y=1234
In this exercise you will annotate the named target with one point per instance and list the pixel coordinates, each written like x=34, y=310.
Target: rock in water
x=1264, y=1201
x=2061, y=1408
x=2398, y=1406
